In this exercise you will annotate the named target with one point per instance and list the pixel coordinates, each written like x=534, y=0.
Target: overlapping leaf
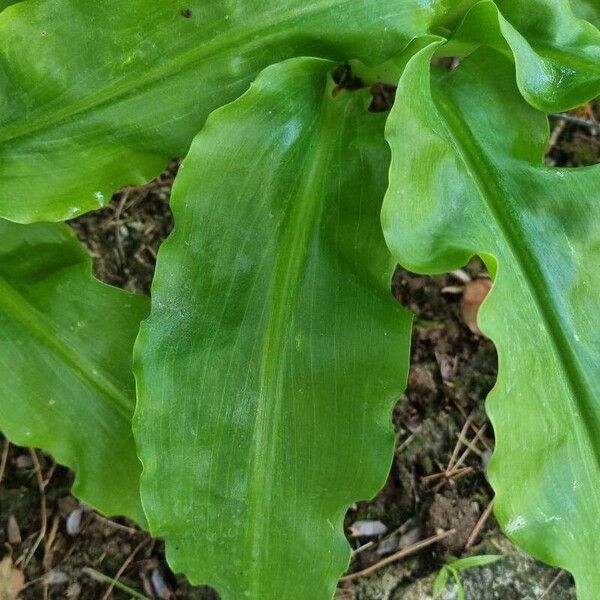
x=467, y=177
x=96, y=95
x=274, y=351
x=557, y=55
x=66, y=342
x=588, y=10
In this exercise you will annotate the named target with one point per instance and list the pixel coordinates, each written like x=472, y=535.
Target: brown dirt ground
x=452, y=369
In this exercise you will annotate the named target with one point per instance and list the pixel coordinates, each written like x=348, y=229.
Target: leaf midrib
x=256, y=33
x=285, y=285
x=475, y=161
x=13, y=303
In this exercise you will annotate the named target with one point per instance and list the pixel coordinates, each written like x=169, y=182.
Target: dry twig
x=479, y=525
x=43, y=516
x=115, y=525
x=474, y=428
x=398, y=555
x=124, y=566
x=552, y=584
x=4, y=458
x=458, y=443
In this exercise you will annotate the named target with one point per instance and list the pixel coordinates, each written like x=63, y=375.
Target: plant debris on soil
x=124, y=237
x=437, y=488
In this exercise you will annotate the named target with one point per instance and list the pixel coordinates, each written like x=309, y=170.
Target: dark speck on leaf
x=186, y=13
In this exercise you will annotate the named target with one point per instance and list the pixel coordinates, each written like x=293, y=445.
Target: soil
x=440, y=422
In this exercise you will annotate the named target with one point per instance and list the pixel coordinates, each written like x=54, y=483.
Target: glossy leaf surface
x=275, y=351
x=557, y=55
x=66, y=384
x=467, y=177
x=117, y=89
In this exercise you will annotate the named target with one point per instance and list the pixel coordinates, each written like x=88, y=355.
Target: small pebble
x=367, y=529
x=12, y=531
x=485, y=459
x=56, y=577
x=387, y=545
x=412, y=536
x=74, y=521
x=73, y=591
x=23, y=461
x=160, y=587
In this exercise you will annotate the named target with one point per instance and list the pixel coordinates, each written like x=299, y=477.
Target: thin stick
x=362, y=548
x=552, y=584
x=47, y=562
x=577, y=121
x=124, y=566
x=106, y=579
x=117, y=227
x=556, y=133
x=487, y=443
x=118, y=526
x=479, y=525
x=43, y=511
x=453, y=476
x=398, y=555
x=4, y=458
x=408, y=440
x=398, y=531
x=50, y=474
x=44, y=517
x=466, y=453
x=458, y=443
x=447, y=474
x=471, y=446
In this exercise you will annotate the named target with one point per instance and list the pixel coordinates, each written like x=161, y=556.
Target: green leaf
x=118, y=89
x=475, y=561
x=274, y=351
x=556, y=54
x=467, y=177
x=440, y=581
x=65, y=363
x=460, y=590
x=588, y=10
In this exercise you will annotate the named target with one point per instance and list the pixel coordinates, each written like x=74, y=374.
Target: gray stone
x=515, y=577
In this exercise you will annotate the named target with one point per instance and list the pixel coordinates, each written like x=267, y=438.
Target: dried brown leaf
x=473, y=295
x=11, y=580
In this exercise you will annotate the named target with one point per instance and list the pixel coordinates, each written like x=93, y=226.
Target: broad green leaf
x=588, y=10
x=274, y=351
x=557, y=55
x=467, y=177
x=117, y=89
x=66, y=384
